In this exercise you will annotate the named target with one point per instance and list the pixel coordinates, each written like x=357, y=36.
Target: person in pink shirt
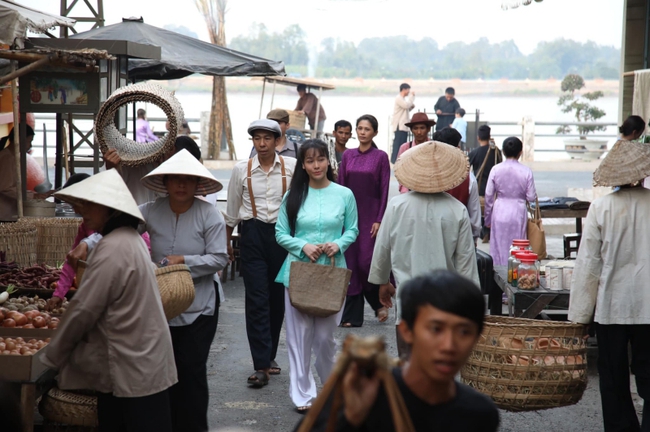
x=143, y=132
x=420, y=126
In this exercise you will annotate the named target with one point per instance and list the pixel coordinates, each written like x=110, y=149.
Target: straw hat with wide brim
x=182, y=163
x=106, y=188
x=626, y=163
x=432, y=167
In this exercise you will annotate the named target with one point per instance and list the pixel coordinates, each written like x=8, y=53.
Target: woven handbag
x=316, y=289
x=176, y=289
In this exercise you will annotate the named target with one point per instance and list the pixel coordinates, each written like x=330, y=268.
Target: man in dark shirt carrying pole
x=442, y=319
x=446, y=108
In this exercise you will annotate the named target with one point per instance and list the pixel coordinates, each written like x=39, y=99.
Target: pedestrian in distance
x=308, y=103
x=366, y=171
x=420, y=126
x=404, y=104
x=509, y=187
x=317, y=222
x=460, y=124
x=445, y=108
x=342, y=134
x=442, y=318
x=255, y=193
x=610, y=280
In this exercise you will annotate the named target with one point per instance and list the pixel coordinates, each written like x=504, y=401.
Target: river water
x=245, y=107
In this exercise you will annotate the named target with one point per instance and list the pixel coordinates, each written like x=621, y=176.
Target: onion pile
x=29, y=319
x=18, y=346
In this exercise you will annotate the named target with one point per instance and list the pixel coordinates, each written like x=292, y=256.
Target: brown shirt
x=115, y=338
x=309, y=104
x=8, y=189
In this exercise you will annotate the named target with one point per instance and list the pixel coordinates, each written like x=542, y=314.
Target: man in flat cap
x=285, y=146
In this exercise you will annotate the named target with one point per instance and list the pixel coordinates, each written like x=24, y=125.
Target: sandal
x=275, y=369
x=259, y=379
x=346, y=325
x=303, y=409
x=382, y=314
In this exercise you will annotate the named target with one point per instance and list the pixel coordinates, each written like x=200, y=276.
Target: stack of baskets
x=55, y=238
x=297, y=119
x=70, y=409
x=525, y=364
x=19, y=243
x=176, y=289
x=132, y=153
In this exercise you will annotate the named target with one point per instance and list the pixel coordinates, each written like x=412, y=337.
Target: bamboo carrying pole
x=16, y=143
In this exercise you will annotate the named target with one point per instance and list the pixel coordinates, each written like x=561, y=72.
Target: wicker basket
x=176, y=289
x=297, y=119
x=55, y=238
x=131, y=152
x=525, y=364
x=74, y=409
x=18, y=241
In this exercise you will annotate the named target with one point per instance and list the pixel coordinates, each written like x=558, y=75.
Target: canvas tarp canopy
x=181, y=55
x=16, y=19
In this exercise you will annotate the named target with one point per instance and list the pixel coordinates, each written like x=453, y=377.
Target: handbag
x=535, y=231
x=316, y=289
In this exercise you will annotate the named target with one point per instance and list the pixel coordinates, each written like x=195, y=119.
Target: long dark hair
x=299, y=187
x=119, y=220
x=373, y=122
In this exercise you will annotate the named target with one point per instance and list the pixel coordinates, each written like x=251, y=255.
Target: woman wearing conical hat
x=114, y=339
x=610, y=279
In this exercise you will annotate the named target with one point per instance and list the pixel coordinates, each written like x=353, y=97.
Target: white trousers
x=304, y=334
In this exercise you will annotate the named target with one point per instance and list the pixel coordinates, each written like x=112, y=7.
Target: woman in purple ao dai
x=509, y=187
x=366, y=171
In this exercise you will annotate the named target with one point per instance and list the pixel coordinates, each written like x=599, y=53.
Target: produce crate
x=297, y=119
x=27, y=333
x=55, y=237
x=21, y=367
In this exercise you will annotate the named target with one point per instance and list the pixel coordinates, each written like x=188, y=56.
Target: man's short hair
x=460, y=112
x=187, y=143
x=484, y=132
x=444, y=290
x=404, y=86
x=302, y=88
x=448, y=135
x=342, y=124
x=450, y=90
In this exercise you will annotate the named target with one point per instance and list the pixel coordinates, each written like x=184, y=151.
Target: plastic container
x=554, y=278
x=528, y=272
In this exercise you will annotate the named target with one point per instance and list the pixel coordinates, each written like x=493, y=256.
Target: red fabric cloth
x=461, y=192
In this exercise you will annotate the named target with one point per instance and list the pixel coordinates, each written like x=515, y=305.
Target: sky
x=443, y=20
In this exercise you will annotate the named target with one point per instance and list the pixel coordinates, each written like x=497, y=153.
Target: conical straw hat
x=106, y=188
x=626, y=163
x=182, y=163
x=432, y=167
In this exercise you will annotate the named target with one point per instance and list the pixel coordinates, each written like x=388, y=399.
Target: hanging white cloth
x=641, y=96
x=304, y=334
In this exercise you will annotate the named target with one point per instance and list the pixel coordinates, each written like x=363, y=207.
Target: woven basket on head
x=525, y=364
x=55, y=238
x=176, y=289
x=18, y=241
x=131, y=152
x=74, y=409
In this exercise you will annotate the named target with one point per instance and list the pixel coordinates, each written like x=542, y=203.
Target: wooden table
x=566, y=214
x=29, y=392
x=529, y=303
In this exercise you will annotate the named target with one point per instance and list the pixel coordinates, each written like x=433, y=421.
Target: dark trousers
x=614, y=373
x=134, y=414
x=400, y=138
x=189, y=397
x=353, y=310
x=261, y=259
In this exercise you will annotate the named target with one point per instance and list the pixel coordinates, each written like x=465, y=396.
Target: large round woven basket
x=525, y=364
x=18, y=241
x=176, y=289
x=55, y=238
x=133, y=153
x=73, y=409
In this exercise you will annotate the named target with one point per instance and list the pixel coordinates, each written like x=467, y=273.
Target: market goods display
x=525, y=364
x=28, y=317
x=37, y=276
x=24, y=304
x=18, y=346
x=18, y=243
x=131, y=152
x=55, y=237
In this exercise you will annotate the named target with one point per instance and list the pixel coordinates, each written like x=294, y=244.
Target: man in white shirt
x=403, y=105
x=255, y=193
x=425, y=229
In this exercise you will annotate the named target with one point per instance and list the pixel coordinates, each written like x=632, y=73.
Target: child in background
x=460, y=124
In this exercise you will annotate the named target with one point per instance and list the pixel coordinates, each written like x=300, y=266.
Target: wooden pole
x=262, y=101
x=272, y=96
x=22, y=71
x=16, y=139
